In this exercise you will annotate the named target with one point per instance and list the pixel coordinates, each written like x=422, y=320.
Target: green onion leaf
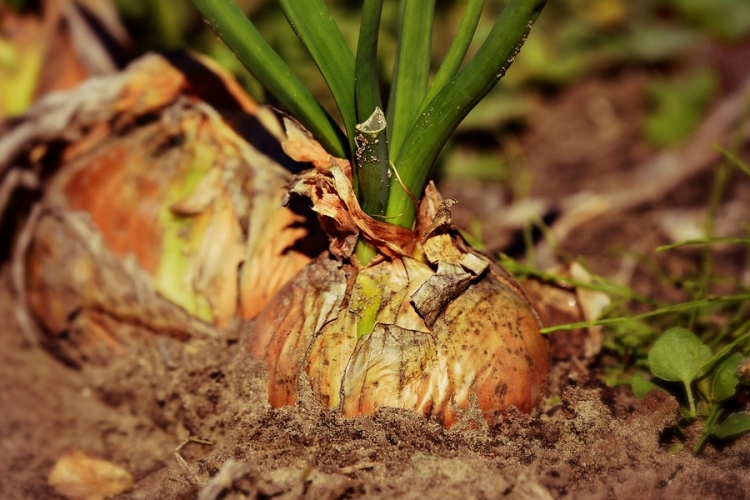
x=371, y=141
x=241, y=36
x=412, y=71
x=370, y=146
x=318, y=32
x=442, y=115
x=457, y=51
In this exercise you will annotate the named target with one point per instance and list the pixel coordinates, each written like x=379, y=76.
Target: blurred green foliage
x=725, y=19
x=572, y=39
x=678, y=105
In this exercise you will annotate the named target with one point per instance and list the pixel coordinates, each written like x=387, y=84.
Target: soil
x=191, y=420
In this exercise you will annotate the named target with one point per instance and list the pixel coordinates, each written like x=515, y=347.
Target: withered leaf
x=443, y=247
x=441, y=288
x=441, y=218
x=77, y=476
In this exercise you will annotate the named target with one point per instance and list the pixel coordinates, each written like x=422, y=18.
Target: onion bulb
x=428, y=325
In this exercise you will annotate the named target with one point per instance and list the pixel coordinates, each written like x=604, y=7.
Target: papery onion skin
x=428, y=325
x=486, y=342
x=283, y=331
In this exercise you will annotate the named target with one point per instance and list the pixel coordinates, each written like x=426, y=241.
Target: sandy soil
x=593, y=443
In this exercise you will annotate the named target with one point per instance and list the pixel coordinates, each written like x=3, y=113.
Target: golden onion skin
x=485, y=342
x=430, y=325
x=282, y=334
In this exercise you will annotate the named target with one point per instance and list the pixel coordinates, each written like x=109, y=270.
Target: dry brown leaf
x=300, y=146
x=77, y=476
x=441, y=218
x=562, y=303
x=329, y=187
x=439, y=290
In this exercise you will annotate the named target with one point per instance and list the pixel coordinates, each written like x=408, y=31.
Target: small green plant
x=709, y=373
x=709, y=380
x=706, y=373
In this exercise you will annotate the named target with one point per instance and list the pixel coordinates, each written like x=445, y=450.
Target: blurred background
x=691, y=49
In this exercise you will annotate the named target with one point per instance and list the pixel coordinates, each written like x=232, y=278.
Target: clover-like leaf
x=677, y=356
x=724, y=378
x=734, y=425
x=641, y=387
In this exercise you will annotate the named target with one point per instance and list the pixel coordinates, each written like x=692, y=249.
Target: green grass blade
x=412, y=71
x=318, y=32
x=457, y=51
x=442, y=115
x=733, y=159
x=684, y=306
x=241, y=36
x=371, y=142
x=716, y=240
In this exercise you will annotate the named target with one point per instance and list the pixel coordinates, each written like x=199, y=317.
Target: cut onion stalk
x=428, y=325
